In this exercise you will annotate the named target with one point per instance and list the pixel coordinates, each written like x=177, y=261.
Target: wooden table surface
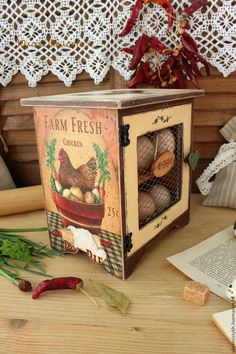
x=159, y=321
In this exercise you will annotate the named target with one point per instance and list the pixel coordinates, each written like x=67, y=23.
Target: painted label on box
x=79, y=161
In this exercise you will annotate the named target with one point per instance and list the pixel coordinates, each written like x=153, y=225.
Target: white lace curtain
x=69, y=36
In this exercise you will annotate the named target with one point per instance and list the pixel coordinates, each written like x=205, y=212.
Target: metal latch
x=124, y=135
x=128, y=242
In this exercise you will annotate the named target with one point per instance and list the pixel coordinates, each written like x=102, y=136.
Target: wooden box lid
x=112, y=99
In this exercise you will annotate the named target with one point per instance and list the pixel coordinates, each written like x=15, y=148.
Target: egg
x=66, y=193
x=146, y=205
x=76, y=191
x=165, y=141
x=89, y=198
x=161, y=196
x=145, y=152
x=74, y=198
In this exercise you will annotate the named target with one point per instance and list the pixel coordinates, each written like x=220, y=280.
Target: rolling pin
x=20, y=200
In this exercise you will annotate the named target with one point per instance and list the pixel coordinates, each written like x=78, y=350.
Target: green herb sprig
x=21, y=254
x=50, y=150
x=105, y=174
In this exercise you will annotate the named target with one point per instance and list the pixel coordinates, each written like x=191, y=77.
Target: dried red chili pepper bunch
x=179, y=63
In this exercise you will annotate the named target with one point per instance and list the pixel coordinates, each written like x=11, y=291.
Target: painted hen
x=82, y=177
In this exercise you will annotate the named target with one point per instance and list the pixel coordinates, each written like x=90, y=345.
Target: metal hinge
x=124, y=135
x=128, y=242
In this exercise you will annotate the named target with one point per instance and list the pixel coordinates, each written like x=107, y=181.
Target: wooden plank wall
x=211, y=113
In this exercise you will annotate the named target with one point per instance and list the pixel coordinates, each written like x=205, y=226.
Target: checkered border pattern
x=113, y=263
x=54, y=223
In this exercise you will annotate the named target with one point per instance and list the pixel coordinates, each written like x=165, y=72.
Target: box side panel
x=79, y=162
x=164, y=124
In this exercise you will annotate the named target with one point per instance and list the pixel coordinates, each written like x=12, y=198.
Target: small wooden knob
x=163, y=164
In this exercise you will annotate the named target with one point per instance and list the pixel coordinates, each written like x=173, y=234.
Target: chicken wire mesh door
x=159, y=156
x=156, y=176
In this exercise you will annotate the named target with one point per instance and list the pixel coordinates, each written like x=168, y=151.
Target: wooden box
x=114, y=168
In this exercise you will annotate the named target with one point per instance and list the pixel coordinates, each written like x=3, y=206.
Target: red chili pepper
x=190, y=40
x=192, y=60
x=167, y=65
x=128, y=50
x=163, y=74
x=133, y=18
x=141, y=47
x=155, y=79
x=142, y=75
x=167, y=7
x=72, y=283
x=25, y=285
x=160, y=78
x=179, y=75
x=204, y=62
x=188, y=70
x=188, y=11
x=147, y=71
x=158, y=46
x=189, y=47
x=137, y=79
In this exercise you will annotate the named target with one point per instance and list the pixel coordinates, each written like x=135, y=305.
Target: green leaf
x=24, y=230
x=20, y=253
x=9, y=275
x=193, y=159
x=6, y=236
x=9, y=263
x=53, y=185
x=16, y=249
x=38, y=266
x=50, y=150
x=102, y=164
x=113, y=297
x=97, y=201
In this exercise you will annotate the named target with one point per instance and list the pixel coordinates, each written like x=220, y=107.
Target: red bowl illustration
x=79, y=214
